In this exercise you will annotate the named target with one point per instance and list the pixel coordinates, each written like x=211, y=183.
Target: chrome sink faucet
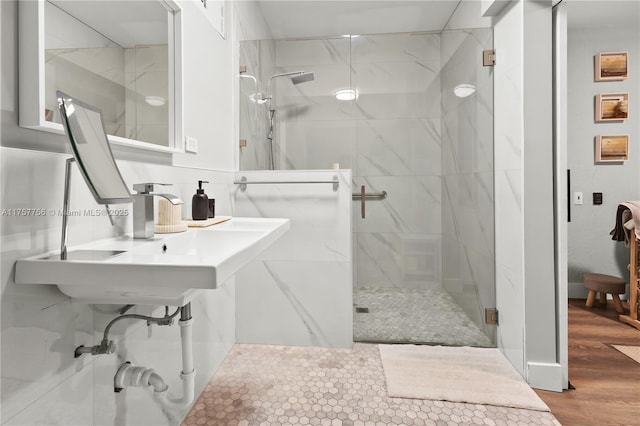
x=143, y=226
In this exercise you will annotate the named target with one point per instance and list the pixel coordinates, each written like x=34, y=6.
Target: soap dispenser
x=200, y=203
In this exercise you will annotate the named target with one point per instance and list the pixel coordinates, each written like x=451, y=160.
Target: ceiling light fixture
x=155, y=101
x=346, y=94
x=464, y=90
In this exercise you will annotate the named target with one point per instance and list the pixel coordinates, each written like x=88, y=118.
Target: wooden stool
x=604, y=284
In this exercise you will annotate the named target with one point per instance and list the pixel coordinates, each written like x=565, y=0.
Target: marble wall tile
x=107, y=62
x=152, y=83
x=41, y=381
x=309, y=145
x=267, y=62
x=153, y=57
x=425, y=147
x=397, y=89
x=68, y=403
x=467, y=167
x=394, y=260
x=257, y=56
x=413, y=205
x=147, y=74
x=130, y=104
x=313, y=100
x=399, y=105
x=302, y=303
x=299, y=291
x=153, y=133
x=311, y=52
x=464, y=150
x=468, y=203
x=378, y=260
x=37, y=349
x=102, y=91
x=321, y=107
x=319, y=216
x=398, y=147
x=419, y=47
x=327, y=78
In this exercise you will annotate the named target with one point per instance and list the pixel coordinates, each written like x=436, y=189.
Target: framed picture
x=611, y=66
x=612, y=148
x=612, y=106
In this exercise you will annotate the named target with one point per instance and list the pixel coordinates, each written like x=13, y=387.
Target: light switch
x=191, y=145
x=577, y=198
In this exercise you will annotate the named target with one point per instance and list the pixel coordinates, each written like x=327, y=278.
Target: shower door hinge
x=488, y=58
x=491, y=316
x=243, y=143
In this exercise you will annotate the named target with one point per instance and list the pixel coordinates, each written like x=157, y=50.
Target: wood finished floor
x=607, y=382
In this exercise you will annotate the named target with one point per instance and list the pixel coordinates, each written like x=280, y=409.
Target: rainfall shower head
x=297, y=77
x=302, y=78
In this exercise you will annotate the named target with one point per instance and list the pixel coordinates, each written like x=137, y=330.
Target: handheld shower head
x=302, y=78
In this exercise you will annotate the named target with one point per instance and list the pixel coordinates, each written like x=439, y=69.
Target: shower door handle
x=362, y=196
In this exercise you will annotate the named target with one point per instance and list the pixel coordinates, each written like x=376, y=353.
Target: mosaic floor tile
x=413, y=316
x=279, y=385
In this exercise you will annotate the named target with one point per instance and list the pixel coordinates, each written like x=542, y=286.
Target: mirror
x=119, y=56
x=87, y=136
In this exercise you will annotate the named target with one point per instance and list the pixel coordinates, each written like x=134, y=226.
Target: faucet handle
x=147, y=188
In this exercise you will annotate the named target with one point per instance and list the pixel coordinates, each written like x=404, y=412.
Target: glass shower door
x=424, y=134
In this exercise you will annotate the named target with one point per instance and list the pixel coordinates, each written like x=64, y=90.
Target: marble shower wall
x=389, y=136
x=314, y=130
x=147, y=74
x=299, y=292
x=398, y=150
x=93, y=75
x=467, y=175
x=117, y=81
x=406, y=134
x=258, y=56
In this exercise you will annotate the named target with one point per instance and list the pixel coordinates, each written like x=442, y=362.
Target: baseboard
x=545, y=376
x=578, y=291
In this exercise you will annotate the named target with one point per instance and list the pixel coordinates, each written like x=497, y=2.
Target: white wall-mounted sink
x=166, y=270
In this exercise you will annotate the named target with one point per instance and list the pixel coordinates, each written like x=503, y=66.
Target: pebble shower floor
x=414, y=316
x=282, y=385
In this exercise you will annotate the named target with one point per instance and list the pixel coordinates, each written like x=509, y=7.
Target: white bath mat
x=457, y=374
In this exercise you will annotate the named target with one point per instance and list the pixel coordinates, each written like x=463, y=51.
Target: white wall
x=468, y=14
x=41, y=381
x=590, y=246
x=208, y=73
x=525, y=282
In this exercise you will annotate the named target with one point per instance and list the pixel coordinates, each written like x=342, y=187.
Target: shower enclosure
x=411, y=114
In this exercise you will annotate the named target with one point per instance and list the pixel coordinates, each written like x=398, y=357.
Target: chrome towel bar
x=243, y=182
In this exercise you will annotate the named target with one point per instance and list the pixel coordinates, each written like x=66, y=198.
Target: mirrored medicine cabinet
x=120, y=56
